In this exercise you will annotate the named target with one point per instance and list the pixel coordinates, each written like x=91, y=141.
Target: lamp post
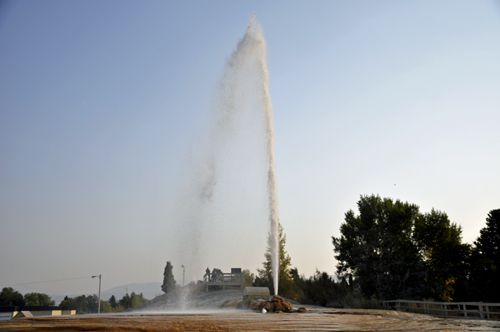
x=99, y=303
x=183, y=274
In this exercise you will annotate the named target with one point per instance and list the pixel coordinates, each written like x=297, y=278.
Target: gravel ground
x=201, y=311
x=233, y=320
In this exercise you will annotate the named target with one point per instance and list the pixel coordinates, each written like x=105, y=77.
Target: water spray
x=250, y=59
x=242, y=93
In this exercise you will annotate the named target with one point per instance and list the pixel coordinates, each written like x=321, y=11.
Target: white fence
x=448, y=309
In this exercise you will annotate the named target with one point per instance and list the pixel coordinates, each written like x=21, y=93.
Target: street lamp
x=99, y=303
x=183, y=274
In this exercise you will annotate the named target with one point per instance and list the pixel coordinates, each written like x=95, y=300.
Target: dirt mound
x=193, y=297
x=277, y=304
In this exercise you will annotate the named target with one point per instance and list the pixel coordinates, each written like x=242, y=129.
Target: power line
x=41, y=282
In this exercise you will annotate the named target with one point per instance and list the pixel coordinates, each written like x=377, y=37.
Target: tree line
x=88, y=304
x=390, y=250
x=84, y=304
x=9, y=296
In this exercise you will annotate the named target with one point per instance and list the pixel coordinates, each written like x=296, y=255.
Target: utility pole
x=99, y=303
x=183, y=274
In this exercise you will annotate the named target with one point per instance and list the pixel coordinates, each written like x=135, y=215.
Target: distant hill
x=149, y=290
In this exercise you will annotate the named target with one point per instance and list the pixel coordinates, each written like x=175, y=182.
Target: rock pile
x=277, y=304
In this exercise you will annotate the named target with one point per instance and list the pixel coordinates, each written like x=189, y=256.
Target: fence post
x=481, y=312
x=465, y=309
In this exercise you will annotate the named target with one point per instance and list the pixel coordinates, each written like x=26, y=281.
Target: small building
x=9, y=312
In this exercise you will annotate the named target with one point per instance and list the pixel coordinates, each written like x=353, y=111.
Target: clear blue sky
x=101, y=103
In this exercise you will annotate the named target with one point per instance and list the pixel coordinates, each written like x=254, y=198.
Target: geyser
x=241, y=126
x=252, y=48
x=248, y=65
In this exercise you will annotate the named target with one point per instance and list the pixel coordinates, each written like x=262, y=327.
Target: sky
x=105, y=104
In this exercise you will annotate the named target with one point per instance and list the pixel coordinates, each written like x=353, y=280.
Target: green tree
x=68, y=303
x=485, y=261
x=168, y=279
x=106, y=306
x=247, y=277
x=112, y=302
x=125, y=301
x=393, y=251
x=377, y=248
x=324, y=289
x=38, y=299
x=444, y=255
x=86, y=304
x=286, y=287
x=9, y=296
x=321, y=289
x=137, y=300
x=79, y=303
x=92, y=303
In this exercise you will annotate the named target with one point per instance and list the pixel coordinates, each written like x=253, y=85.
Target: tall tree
x=443, y=253
x=125, y=301
x=377, y=248
x=112, y=302
x=92, y=303
x=286, y=287
x=68, y=303
x=396, y=252
x=168, y=279
x=10, y=296
x=485, y=260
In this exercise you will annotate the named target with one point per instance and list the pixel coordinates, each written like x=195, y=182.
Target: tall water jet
x=271, y=179
x=254, y=36
x=250, y=59
x=242, y=106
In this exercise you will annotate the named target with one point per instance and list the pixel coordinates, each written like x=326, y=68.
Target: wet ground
x=234, y=320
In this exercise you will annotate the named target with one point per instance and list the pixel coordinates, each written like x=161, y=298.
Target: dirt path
x=314, y=320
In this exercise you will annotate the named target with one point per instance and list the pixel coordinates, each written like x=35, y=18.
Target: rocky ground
x=236, y=320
